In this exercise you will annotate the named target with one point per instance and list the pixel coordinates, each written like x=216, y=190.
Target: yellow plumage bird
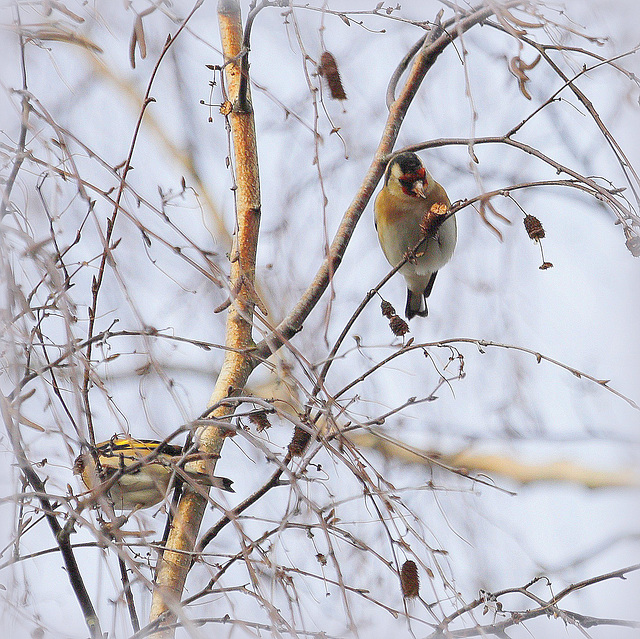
x=401, y=209
x=144, y=469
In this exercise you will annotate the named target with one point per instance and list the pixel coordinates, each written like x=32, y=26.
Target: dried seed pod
x=299, y=441
x=439, y=208
x=398, y=326
x=534, y=227
x=432, y=219
x=536, y=232
x=328, y=69
x=409, y=580
x=387, y=309
x=260, y=420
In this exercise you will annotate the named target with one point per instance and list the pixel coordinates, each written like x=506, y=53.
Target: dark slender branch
x=436, y=30
x=481, y=343
x=243, y=104
x=47, y=551
x=616, y=574
x=128, y=595
x=103, y=337
x=623, y=160
x=402, y=67
x=84, y=185
x=601, y=192
x=367, y=298
x=242, y=625
x=60, y=534
x=214, y=531
x=567, y=82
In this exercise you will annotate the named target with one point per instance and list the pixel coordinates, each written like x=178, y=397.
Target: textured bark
x=238, y=364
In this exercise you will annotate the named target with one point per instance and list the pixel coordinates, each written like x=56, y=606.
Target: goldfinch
x=401, y=211
x=152, y=464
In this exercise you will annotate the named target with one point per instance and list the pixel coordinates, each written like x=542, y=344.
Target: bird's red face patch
x=413, y=184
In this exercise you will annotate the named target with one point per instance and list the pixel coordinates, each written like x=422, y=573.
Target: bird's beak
x=418, y=188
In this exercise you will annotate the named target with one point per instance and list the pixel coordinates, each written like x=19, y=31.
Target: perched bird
x=144, y=468
x=403, y=209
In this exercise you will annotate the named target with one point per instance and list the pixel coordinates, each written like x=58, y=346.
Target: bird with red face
x=401, y=208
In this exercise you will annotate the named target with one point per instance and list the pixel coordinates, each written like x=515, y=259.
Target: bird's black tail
x=416, y=305
x=417, y=302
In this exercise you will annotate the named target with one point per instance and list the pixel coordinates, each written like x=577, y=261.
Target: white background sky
x=583, y=312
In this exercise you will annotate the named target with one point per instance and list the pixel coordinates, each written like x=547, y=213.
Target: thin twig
x=106, y=255
x=60, y=535
x=24, y=124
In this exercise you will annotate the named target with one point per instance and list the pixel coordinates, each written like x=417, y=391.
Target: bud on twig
x=633, y=244
x=518, y=67
x=432, y=219
x=260, y=420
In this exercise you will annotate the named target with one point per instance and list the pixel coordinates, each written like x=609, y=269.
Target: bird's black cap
x=408, y=162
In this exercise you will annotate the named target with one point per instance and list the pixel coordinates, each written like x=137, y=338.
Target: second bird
x=408, y=194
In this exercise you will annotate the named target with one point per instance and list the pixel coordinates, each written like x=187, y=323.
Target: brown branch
x=61, y=535
x=624, y=162
x=128, y=595
x=500, y=464
x=481, y=344
x=176, y=560
x=206, y=271
x=600, y=192
x=243, y=99
x=103, y=337
x=214, y=531
x=544, y=608
x=424, y=60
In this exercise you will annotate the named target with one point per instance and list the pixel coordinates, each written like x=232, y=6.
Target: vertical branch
x=237, y=365
x=128, y=595
x=61, y=535
x=24, y=125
